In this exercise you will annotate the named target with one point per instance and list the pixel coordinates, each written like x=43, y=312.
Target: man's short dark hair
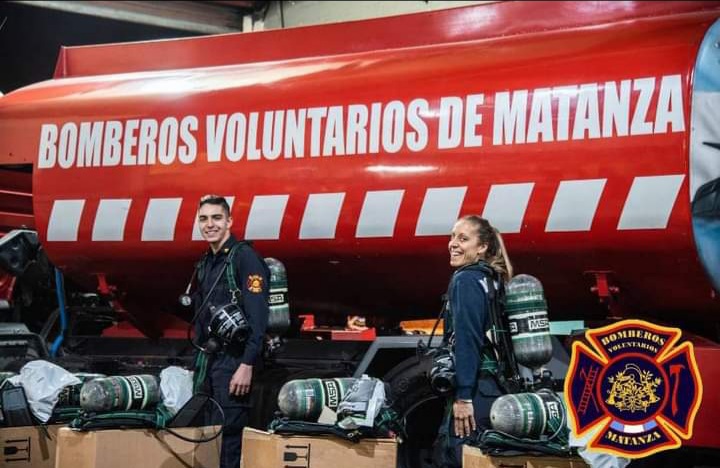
x=215, y=200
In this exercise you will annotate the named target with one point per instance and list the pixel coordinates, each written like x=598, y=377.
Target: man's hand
x=241, y=379
x=464, y=418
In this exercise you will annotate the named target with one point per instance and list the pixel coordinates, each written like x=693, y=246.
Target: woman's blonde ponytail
x=500, y=262
x=496, y=255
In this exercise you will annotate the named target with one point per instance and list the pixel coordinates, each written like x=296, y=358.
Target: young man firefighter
x=232, y=314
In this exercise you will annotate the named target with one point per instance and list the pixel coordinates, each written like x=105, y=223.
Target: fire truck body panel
x=396, y=144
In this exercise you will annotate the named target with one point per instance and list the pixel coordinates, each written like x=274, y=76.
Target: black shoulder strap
x=231, y=272
x=508, y=372
x=249, y=244
x=490, y=275
x=200, y=268
x=481, y=266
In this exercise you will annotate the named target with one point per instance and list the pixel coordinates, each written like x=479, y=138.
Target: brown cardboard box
x=264, y=450
x=474, y=458
x=137, y=448
x=28, y=447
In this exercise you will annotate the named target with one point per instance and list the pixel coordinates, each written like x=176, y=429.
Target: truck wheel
x=420, y=409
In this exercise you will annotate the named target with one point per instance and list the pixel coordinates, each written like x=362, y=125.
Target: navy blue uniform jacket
x=469, y=318
x=252, y=277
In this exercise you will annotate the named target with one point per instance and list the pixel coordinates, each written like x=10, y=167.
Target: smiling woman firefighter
x=465, y=368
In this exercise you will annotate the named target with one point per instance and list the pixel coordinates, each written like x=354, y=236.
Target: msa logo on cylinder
x=553, y=410
x=332, y=394
x=138, y=393
x=531, y=324
x=276, y=299
x=538, y=324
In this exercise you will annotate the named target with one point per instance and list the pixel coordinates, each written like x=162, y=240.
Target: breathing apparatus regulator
x=442, y=360
x=442, y=372
x=228, y=323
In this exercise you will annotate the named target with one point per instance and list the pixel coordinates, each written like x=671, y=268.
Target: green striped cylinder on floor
x=529, y=415
x=133, y=392
x=528, y=319
x=70, y=395
x=304, y=399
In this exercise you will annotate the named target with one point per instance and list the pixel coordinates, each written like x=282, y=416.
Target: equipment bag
x=139, y=419
x=387, y=425
x=496, y=443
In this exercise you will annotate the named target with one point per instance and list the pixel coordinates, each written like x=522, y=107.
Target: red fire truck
x=587, y=132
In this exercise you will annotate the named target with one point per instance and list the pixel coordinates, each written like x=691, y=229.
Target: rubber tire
x=420, y=409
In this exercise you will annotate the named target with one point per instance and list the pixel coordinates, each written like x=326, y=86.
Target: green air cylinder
x=133, y=392
x=529, y=326
x=529, y=415
x=304, y=399
x=70, y=395
x=279, y=319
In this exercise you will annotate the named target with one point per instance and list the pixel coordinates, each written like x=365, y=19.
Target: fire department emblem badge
x=636, y=386
x=255, y=283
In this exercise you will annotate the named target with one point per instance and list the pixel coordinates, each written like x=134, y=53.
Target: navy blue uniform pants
x=236, y=409
x=447, y=451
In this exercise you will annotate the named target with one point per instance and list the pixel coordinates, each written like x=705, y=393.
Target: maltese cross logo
x=632, y=382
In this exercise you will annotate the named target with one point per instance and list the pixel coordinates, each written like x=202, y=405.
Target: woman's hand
x=464, y=418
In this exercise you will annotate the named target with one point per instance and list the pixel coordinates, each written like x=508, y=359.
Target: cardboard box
x=28, y=447
x=264, y=450
x=137, y=448
x=474, y=458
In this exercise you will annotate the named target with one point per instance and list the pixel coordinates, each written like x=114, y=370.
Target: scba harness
x=228, y=324
x=228, y=271
x=497, y=358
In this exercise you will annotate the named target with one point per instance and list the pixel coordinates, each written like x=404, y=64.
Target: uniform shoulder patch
x=255, y=283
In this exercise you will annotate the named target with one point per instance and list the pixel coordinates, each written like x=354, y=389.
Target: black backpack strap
x=508, y=373
x=232, y=273
x=443, y=313
x=200, y=269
